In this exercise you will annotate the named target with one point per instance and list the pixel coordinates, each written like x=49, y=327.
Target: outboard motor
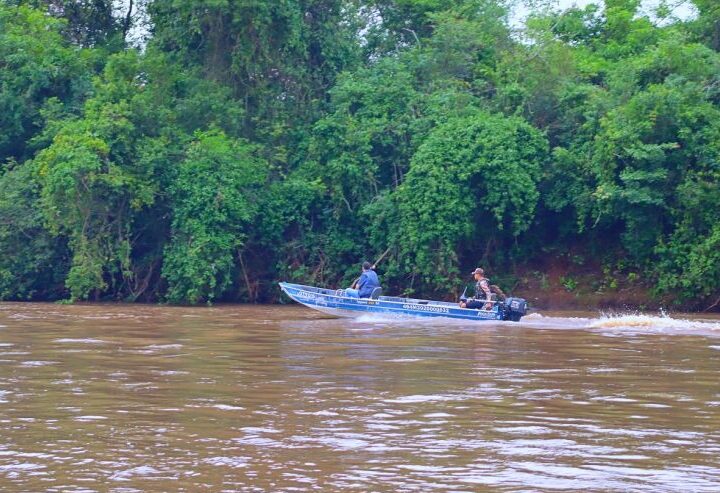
x=514, y=309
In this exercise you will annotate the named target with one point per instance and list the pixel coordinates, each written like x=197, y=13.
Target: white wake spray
x=663, y=321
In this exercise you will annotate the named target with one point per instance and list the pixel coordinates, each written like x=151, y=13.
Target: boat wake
x=634, y=323
x=609, y=324
x=660, y=323
x=377, y=318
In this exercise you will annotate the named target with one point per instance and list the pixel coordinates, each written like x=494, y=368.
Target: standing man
x=482, y=285
x=365, y=285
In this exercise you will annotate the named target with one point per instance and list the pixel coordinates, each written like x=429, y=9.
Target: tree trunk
x=128, y=20
x=252, y=295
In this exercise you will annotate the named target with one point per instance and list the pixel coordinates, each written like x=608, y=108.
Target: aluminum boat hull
x=334, y=302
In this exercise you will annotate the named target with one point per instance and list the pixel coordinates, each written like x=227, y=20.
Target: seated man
x=365, y=284
x=482, y=286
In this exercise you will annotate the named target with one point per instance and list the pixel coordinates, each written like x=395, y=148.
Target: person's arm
x=488, y=295
x=486, y=290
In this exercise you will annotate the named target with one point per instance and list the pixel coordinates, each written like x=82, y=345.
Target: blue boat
x=335, y=302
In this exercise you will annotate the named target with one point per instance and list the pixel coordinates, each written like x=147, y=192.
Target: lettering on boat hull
x=426, y=308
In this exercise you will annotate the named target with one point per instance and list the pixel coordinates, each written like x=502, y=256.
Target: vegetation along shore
x=200, y=151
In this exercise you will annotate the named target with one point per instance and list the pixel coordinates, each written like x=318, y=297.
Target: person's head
x=478, y=273
x=366, y=266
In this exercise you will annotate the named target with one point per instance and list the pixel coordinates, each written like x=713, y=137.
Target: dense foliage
x=248, y=142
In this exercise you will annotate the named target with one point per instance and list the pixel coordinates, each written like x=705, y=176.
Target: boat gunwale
x=409, y=301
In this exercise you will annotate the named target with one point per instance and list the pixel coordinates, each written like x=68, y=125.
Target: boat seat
x=376, y=293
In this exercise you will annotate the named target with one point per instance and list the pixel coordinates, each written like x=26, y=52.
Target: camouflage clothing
x=482, y=286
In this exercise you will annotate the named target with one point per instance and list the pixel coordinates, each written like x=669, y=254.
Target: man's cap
x=478, y=271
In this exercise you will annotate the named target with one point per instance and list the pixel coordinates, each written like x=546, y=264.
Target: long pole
x=381, y=257
x=373, y=265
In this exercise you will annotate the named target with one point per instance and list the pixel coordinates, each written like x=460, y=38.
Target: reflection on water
x=143, y=398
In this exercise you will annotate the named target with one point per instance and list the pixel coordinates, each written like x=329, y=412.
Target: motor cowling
x=515, y=308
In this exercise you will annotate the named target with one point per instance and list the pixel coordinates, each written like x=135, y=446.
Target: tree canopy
x=248, y=142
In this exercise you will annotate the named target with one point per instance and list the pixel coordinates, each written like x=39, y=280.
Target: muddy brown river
x=125, y=398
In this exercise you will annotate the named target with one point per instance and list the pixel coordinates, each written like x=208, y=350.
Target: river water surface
x=125, y=398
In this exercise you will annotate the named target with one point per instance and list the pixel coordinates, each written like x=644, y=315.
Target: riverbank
x=563, y=286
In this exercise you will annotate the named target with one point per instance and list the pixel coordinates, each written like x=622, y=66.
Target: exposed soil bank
x=560, y=299
x=561, y=285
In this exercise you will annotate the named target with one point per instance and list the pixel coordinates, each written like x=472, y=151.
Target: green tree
x=708, y=23
x=90, y=193
x=472, y=182
x=256, y=140
x=278, y=58
x=38, y=67
x=214, y=203
x=33, y=263
x=87, y=23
